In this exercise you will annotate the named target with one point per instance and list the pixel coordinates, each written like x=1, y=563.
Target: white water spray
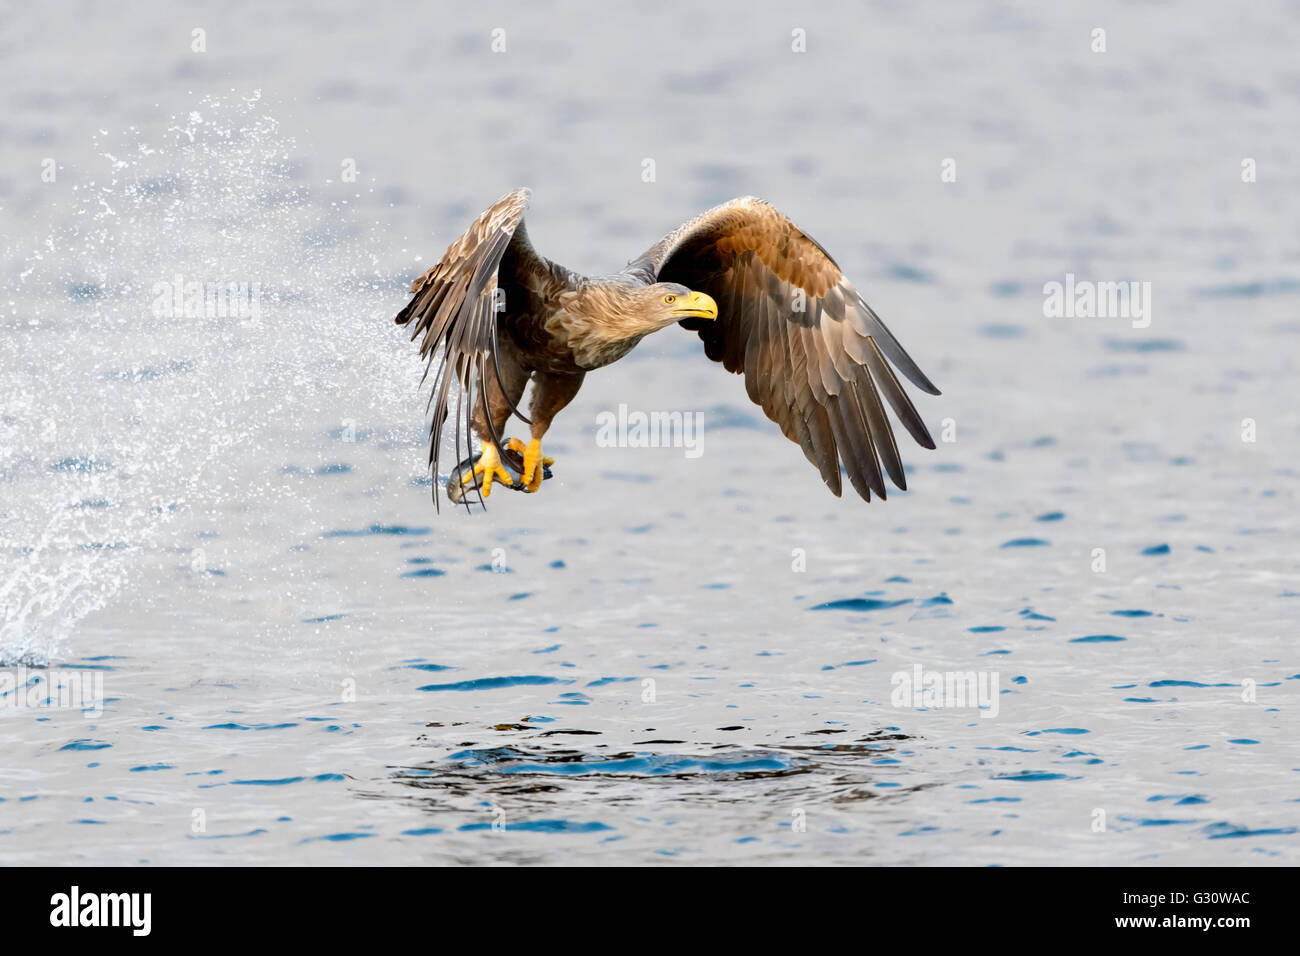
x=198, y=301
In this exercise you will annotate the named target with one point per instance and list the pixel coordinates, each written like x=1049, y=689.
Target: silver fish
x=512, y=461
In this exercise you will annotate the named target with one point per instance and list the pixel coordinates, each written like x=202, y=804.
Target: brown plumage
x=766, y=299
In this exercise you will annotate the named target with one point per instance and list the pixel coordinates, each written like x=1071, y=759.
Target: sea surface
x=235, y=630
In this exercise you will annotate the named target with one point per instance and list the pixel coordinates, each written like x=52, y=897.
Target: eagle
x=765, y=298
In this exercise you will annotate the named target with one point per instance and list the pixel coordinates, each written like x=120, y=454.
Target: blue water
x=657, y=658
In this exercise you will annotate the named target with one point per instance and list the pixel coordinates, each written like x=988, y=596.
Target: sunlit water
x=224, y=524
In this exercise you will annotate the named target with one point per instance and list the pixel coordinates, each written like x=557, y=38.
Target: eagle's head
x=645, y=309
x=676, y=302
x=625, y=312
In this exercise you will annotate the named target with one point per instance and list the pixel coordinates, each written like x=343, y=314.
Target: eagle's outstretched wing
x=454, y=312
x=813, y=353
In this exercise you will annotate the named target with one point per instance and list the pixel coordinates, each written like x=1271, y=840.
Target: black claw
x=511, y=461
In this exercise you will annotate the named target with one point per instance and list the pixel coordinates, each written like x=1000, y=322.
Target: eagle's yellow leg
x=533, y=461
x=489, y=466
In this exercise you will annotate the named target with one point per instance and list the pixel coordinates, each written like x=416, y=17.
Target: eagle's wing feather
x=819, y=371
x=453, y=313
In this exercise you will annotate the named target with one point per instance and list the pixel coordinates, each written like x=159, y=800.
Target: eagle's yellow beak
x=697, y=305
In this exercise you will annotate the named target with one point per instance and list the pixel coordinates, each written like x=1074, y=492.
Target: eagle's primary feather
x=814, y=355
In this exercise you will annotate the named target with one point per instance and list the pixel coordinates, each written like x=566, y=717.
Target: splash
x=198, y=302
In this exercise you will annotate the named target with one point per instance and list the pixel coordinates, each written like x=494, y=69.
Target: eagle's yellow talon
x=533, y=461
x=489, y=466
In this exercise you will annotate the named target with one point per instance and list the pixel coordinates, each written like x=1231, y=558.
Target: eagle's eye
x=669, y=299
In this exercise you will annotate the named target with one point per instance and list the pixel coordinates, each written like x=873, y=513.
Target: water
x=225, y=522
